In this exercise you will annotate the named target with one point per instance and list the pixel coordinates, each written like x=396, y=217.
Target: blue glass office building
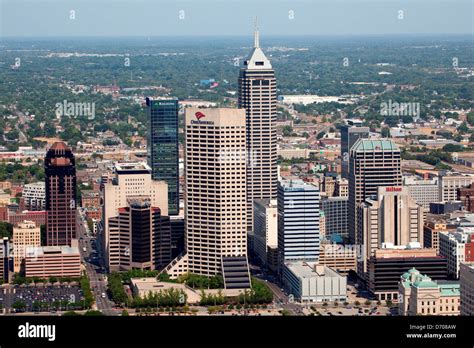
x=298, y=221
x=163, y=146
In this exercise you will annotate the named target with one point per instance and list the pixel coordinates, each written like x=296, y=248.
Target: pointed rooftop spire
x=256, y=35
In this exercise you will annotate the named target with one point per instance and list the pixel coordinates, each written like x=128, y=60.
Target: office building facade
x=26, y=234
x=335, y=216
x=257, y=95
x=52, y=261
x=140, y=237
x=386, y=266
x=33, y=197
x=265, y=223
x=466, y=280
x=423, y=191
x=60, y=182
x=129, y=179
x=311, y=282
x=163, y=146
x=298, y=222
x=457, y=247
x=431, y=231
x=350, y=133
x=372, y=164
x=449, y=183
x=215, y=194
x=393, y=219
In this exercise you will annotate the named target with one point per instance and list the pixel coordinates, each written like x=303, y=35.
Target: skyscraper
x=372, y=163
x=350, y=133
x=391, y=218
x=129, y=180
x=215, y=216
x=257, y=95
x=163, y=146
x=60, y=182
x=215, y=200
x=141, y=236
x=298, y=222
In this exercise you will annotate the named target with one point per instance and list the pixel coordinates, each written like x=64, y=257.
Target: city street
x=92, y=262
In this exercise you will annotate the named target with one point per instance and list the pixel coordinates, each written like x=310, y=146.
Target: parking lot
x=41, y=298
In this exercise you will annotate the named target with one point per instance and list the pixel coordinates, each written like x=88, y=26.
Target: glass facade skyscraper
x=163, y=146
x=298, y=221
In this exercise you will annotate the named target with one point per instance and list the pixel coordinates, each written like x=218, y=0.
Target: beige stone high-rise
x=257, y=95
x=392, y=218
x=25, y=235
x=215, y=200
x=130, y=179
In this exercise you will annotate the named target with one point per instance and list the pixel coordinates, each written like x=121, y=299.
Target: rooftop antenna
x=256, y=34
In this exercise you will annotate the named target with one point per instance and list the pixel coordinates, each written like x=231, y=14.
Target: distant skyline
x=53, y=18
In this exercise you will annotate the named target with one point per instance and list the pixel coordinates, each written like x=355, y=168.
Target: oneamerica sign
x=200, y=115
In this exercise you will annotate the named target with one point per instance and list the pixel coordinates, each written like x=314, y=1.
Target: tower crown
x=257, y=59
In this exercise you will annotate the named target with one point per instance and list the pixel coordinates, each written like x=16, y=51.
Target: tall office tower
x=140, y=237
x=129, y=179
x=60, y=182
x=265, y=224
x=372, y=163
x=350, y=133
x=215, y=201
x=257, y=95
x=390, y=218
x=163, y=146
x=298, y=222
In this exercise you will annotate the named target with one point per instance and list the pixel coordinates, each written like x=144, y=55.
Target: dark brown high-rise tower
x=60, y=179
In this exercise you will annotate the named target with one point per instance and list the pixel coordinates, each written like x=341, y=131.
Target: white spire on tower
x=256, y=35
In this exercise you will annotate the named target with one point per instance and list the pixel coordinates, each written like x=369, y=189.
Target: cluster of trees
x=434, y=157
x=453, y=148
x=19, y=279
x=212, y=300
x=87, y=292
x=202, y=282
x=260, y=293
x=6, y=229
x=19, y=173
x=164, y=298
x=115, y=288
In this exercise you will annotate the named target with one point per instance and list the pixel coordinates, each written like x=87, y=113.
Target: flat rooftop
x=130, y=167
x=309, y=270
x=45, y=250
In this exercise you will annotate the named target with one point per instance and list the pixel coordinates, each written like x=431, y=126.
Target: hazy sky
x=233, y=17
